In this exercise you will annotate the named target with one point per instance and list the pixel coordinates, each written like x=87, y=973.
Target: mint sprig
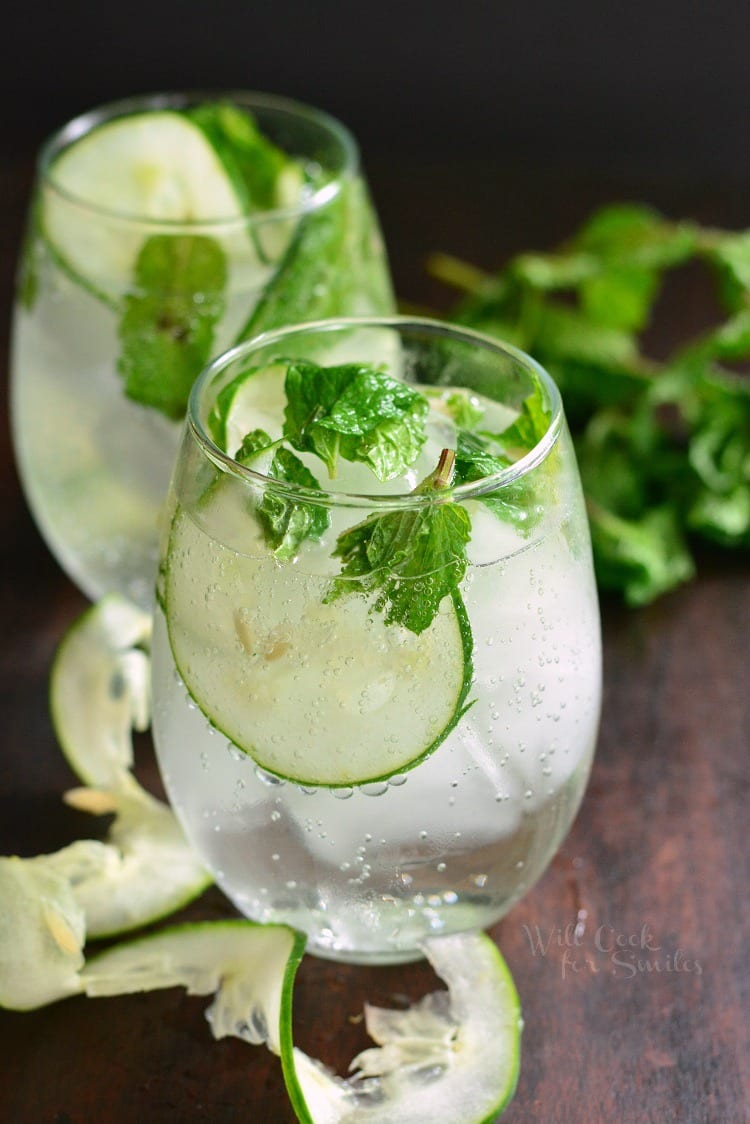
x=251, y=160
x=334, y=260
x=169, y=317
x=480, y=454
x=177, y=296
x=410, y=559
x=354, y=412
x=286, y=522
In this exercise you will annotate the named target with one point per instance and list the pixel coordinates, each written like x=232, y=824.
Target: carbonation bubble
x=268, y=778
x=377, y=788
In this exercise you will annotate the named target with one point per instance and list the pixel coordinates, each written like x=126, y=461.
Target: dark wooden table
x=638, y=1014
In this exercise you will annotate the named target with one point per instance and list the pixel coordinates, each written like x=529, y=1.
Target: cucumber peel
x=100, y=690
x=149, y=870
x=249, y=967
x=42, y=932
x=453, y=1056
x=155, y=166
x=253, y=399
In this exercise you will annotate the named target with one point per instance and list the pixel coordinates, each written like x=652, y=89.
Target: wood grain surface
x=631, y=955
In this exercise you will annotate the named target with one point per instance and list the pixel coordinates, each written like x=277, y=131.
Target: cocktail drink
x=162, y=230
x=376, y=657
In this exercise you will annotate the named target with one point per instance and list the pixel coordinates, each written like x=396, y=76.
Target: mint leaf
x=410, y=559
x=719, y=454
x=355, y=412
x=286, y=522
x=621, y=297
x=528, y=429
x=168, y=319
x=518, y=503
x=643, y=557
x=730, y=256
x=460, y=405
x=306, y=283
x=251, y=160
x=333, y=263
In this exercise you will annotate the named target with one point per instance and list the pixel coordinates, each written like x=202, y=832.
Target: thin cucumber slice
x=157, y=166
x=453, y=1056
x=42, y=932
x=249, y=967
x=264, y=176
x=255, y=399
x=100, y=689
x=147, y=870
x=143, y=872
x=320, y=694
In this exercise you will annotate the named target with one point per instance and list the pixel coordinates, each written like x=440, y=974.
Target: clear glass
x=95, y=463
x=449, y=830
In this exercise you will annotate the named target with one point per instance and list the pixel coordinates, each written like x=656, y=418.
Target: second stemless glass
x=351, y=752
x=94, y=462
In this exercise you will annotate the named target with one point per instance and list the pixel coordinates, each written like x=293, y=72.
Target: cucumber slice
x=42, y=932
x=143, y=872
x=148, y=869
x=255, y=399
x=320, y=694
x=157, y=166
x=453, y=1056
x=100, y=689
x=250, y=967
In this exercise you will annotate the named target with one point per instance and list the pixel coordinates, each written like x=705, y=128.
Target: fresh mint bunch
x=663, y=446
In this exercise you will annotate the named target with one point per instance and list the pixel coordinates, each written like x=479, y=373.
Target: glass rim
x=84, y=123
x=376, y=501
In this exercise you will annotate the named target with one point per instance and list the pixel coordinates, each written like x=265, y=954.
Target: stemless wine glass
x=145, y=257
x=375, y=705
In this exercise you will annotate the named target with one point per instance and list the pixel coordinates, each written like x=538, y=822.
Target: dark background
x=530, y=114
x=486, y=128
x=662, y=85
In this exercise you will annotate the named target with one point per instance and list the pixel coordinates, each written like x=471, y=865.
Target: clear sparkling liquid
x=369, y=871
